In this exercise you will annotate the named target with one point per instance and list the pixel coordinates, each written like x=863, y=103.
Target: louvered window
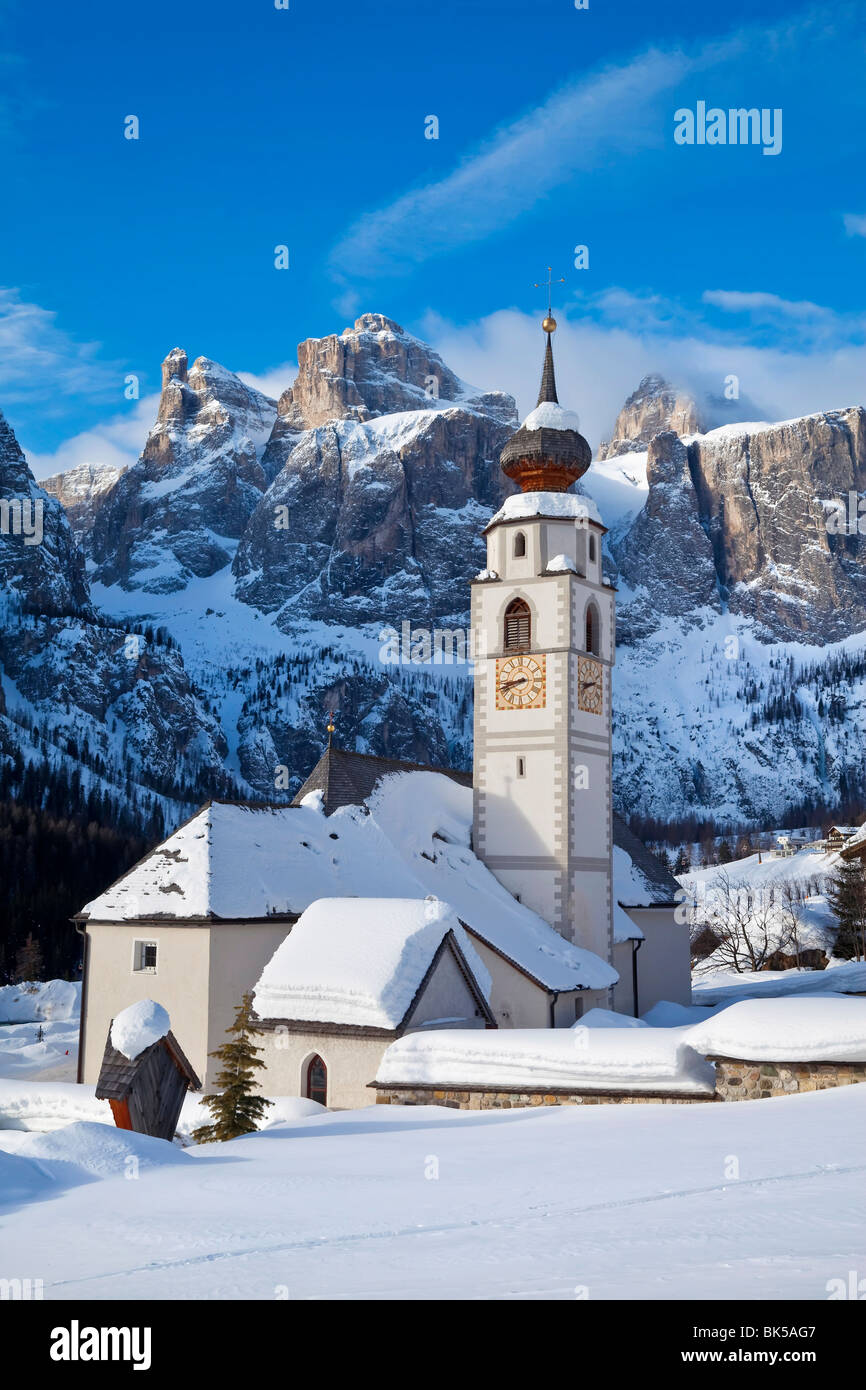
x=517, y=626
x=591, y=644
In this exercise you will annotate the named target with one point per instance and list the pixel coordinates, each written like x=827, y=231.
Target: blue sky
x=305, y=127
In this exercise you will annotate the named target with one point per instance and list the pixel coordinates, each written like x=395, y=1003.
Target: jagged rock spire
x=547, y=390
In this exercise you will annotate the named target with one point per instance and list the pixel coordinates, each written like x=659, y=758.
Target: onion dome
x=548, y=453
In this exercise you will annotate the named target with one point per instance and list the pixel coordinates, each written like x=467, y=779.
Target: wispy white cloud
x=40, y=363
x=118, y=440
x=855, y=223
x=273, y=380
x=576, y=129
x=619, y=111
x=762, y=302
x=601, y=355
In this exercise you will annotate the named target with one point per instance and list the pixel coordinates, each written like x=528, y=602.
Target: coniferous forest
x=59, y=847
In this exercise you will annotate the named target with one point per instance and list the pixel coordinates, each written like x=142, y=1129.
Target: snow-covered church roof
x=237, y=863
x=363, y=961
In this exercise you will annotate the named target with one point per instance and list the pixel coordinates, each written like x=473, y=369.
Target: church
x=391, y=898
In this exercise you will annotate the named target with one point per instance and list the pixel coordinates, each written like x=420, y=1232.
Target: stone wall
x=743, y=1080
x=477, y=1099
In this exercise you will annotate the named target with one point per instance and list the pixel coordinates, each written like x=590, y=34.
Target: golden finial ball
x=549, y=325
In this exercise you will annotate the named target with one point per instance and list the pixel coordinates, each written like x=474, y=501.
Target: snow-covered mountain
x=276, y=572
x=79, y=693
x=82, y=491
x=741, y=676
x=178, y=512
x=276, y=543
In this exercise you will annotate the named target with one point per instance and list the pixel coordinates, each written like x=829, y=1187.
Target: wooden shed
x=146, y=1094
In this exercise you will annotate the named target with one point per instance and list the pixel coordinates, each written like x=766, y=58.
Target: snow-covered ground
x=618, y=1202
x=28, y=1009
x=756, y=1200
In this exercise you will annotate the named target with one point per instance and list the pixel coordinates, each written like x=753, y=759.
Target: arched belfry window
x=592, y=548
x=519, y=545
x=593, y=631
x=316, y=1080
x=517, y=626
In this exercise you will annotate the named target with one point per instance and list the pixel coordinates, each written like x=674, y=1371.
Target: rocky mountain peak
x=41, y=567
x=81, y=491
x=374, y=368
x=199, y=477
x=174, y=367
x=654, y=407
x=373, y=323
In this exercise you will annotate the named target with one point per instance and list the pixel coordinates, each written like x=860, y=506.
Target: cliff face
x=81, y=491
x=765, y=495
x=378, y=502
x=197, y=481
x=654, y=407
x=81, y=682
x=374, y=368
x=43, y=571
x=666, y=556
x=741, y=671
x=359, y=504
x=738, y=518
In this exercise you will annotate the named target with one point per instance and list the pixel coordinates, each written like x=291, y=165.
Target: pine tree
x=725, y=853
x=684, y=861
x=846, y=895
x=236, y=1108
x=28, y=961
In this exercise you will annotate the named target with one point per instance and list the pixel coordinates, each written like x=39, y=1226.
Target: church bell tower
x=543, y=632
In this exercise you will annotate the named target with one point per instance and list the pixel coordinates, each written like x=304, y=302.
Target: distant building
x=839, y=835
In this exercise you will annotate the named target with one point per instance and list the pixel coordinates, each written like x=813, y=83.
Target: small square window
x=145, y=956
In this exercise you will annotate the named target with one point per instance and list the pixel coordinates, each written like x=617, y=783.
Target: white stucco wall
x=352, y=1063
x=180, y=984
x=517, y=1002
x=201, y=976
x=663, y=962
x=664, y=959
x=238, y=955
x=447, y=997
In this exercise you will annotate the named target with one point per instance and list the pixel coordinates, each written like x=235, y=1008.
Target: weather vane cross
x=548, y=285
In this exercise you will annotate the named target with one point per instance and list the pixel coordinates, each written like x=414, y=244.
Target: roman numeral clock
x=543, y=632
x=590, y=690
x=520, y=682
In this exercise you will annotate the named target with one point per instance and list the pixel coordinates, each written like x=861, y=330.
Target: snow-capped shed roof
x=364, y=961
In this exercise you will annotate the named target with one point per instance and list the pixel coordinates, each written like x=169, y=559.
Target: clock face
x=520, y=682
x=590, y=690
